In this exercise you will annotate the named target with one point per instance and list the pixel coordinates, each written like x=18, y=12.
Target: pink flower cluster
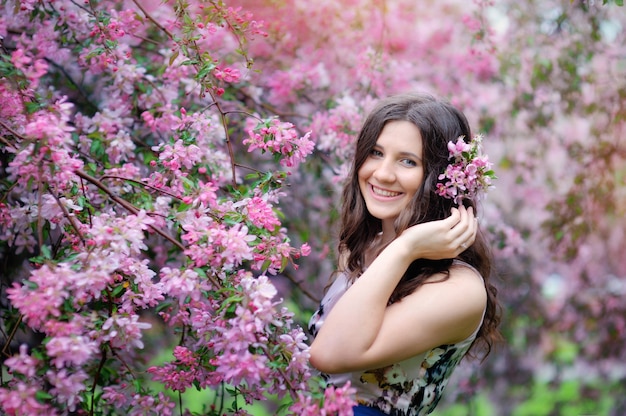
x=279, y=138
x=338, y=401
x=261, y=214
x=469, y=172
x=181, y=373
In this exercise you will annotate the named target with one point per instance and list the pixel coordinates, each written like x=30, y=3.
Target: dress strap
x=457, y=262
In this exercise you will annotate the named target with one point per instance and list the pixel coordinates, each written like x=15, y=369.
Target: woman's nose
x=384, y=171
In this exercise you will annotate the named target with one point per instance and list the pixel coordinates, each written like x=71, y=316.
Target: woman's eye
x=408, y=162
x=376, y=153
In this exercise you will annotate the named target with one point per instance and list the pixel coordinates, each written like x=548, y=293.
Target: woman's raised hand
x=441, y=239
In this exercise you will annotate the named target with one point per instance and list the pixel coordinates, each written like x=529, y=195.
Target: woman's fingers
x=468, y=228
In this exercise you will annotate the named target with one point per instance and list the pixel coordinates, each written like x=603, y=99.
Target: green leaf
x=111, y=44
x=32, y=107
x=117, y=291
x=45, y=252
x=163, y=305
x=95, y=52
x=204, y=71
x=42, y=396
x=174, y=56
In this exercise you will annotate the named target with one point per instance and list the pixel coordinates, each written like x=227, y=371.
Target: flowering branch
x=229, y=145
x=130, y=207
x=13, y=132
x=154, y=21
x=154, y=188
x=69, y=217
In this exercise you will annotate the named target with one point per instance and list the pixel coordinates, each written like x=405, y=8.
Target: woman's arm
x=361, y=332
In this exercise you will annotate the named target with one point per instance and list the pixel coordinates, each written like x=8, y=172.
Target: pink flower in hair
x=469, y=172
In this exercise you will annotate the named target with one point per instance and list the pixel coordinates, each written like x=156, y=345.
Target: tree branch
x=141, y=183
x=13, y=132
x=133, y=209
x=127, y=205
x=157, y=24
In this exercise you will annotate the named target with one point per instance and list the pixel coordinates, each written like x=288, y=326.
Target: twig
x=39, y=201
x=299, y=286
x=82, y=186
x=95, y=380
x=239, y=165
x=11, y=335
x=70, y=217
x=141, y=183
x=13, y=132
x=131, y=208
x=127, y=205
x=229, y=144
x=242, y=46
x=78, y=87
x=292, y=390
x=157, y=24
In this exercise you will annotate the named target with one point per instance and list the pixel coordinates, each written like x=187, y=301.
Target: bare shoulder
x=460, y=277
x=468, y=278
x=455, y=303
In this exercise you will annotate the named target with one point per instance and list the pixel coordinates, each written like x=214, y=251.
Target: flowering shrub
x=124, y=185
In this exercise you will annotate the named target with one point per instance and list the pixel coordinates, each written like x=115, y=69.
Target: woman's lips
x=384, y=193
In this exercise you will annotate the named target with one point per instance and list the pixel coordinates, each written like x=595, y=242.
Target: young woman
x=412, y=292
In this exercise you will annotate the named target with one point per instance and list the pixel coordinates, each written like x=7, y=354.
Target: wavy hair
x=438, y=122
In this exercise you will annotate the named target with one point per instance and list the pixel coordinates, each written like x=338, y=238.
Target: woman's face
x=393, y=172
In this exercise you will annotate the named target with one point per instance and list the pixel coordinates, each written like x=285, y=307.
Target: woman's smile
x=383, y=193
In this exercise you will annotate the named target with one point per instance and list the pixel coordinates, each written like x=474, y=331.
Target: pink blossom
x=73, y=350
x=124, y=331
x=271, y=254
x=235, y=242
x=339, y=400
x=122, y=235
x=261, y=214
x=115, y=395
x=231, y=75
x=304, y=405
x=457, y=148
x=469, y=172
x=21, y=399
x=179, y=155
x=144, y=405
x=174, y=377
x=305, y=249
x=23, y=363
x=242, y=366
x=182, y=284
x=259, y=289
x=67, y=386
x=144, y=292
x=44, y=301
x=281, y=138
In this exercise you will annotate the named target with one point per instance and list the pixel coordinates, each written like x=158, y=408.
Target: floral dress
x=409, y=388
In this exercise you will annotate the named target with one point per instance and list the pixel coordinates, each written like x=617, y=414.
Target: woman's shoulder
x=458, y=264
x=465, y=278
x=457, y=300
x=459, y=274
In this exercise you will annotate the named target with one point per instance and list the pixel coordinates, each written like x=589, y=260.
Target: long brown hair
x=438, y=122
